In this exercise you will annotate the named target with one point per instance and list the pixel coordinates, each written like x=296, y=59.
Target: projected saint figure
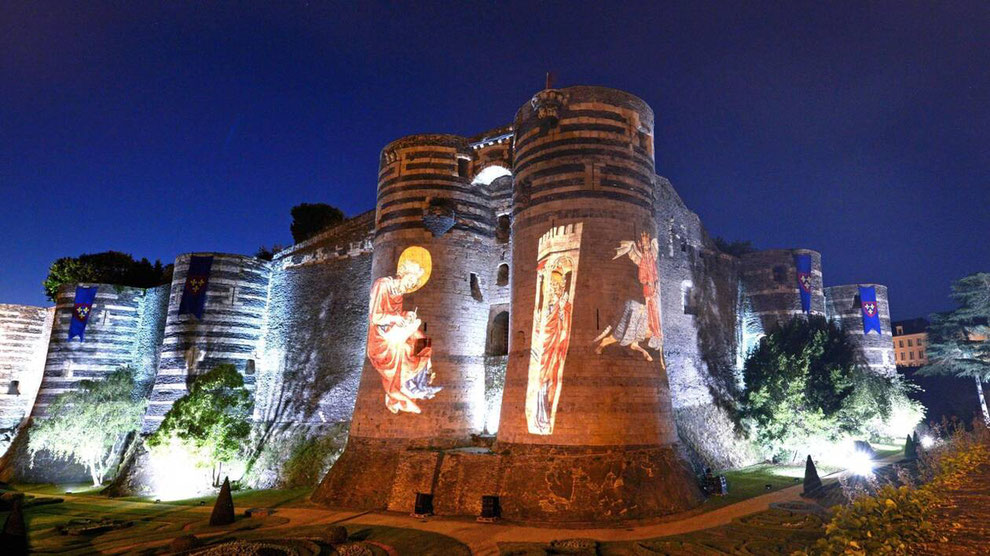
x=556, y=269
x=397, y=349
x=556, y=335
x=640, y=321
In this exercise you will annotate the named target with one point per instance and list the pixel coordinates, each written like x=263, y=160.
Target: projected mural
x=640, y=320
x=556, y=275
x=397, y=348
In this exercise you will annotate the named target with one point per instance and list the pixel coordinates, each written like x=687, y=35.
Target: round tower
x=586, y=430
x=229, y=330
x=773, y=286
x=845, y=306
x=423, y=381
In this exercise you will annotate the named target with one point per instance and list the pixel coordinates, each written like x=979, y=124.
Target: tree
x=90, y=425
x=109, y=267
x=803, y=382
x=959, y=340
x=735, y=248
x=311, y=219
x=266, y=254
x=211, y=421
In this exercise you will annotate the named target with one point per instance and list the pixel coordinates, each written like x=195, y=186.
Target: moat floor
x=777, y=522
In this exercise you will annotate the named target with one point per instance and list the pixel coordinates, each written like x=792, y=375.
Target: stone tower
x=422, y=388
x=586, y=430
x=771, y=293
x=845, y=308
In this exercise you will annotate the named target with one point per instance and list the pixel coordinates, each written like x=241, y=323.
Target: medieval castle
x=531, y=313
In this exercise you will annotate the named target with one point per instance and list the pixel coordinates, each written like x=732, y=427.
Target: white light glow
x=860, y=463
x=175, y=476
x=490, y=174
x=927, y=441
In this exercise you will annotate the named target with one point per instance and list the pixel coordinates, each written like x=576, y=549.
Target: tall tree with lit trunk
x=959, y=340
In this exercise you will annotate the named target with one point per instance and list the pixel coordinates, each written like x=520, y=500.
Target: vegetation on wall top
x=109, y=267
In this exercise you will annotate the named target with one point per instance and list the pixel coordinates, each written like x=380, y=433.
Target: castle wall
x=236, y=300
x=876, y=350
x=111, y=340
x=24, y=334
x=123, y=330
x=700, y=298
x=316, y=327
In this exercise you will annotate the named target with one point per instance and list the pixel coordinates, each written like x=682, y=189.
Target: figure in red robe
x=556, y=337
x=397, y=349
x=639, y=321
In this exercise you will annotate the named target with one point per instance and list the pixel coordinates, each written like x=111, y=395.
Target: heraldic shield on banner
x=871, y=311
x=556, y=268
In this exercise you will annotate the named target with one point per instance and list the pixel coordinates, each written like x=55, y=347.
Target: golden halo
x=420, y=257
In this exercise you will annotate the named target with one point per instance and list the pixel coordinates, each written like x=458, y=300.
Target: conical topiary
x=910, y=449
x=223, y=510
x=14, y=538
x=914, y=438
x=812, y=482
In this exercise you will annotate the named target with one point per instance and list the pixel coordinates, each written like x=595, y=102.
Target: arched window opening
x=498, y=335
x=502, y=278
x=502, y=229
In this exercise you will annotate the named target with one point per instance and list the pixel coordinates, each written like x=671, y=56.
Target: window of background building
x=911, y=355
x=910, y=344
x=900, y=330
x=900, y=343
x=921, y=355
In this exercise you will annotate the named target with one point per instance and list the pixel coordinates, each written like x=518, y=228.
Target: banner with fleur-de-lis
x=871, y=310
x=197, y=282
x=82, y=307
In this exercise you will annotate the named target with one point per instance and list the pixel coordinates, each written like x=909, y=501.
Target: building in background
x=910, y=341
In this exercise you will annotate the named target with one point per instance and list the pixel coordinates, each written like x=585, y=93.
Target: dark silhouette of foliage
x=266, y=254
x=109, y=267
x=311, y=219
x=736, y=248
x=959, y=340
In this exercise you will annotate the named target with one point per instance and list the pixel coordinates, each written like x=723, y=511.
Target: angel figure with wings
x=639, y=321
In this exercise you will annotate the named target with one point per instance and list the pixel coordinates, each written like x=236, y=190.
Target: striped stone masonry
x=24, y=334
x=111, y=340
x=230, y=332
x=876, y=350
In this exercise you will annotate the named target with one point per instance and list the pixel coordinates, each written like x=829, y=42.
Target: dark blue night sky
x=861, y=131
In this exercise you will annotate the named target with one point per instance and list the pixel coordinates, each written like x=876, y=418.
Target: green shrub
x=895, y=519
x=211, y=422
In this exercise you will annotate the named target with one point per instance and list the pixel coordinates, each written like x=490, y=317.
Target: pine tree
x=959, y=340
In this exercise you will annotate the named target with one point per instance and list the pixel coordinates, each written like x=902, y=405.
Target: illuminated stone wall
x=842, y=304
x=315, y=327
x=236, y=301
x=24, y=333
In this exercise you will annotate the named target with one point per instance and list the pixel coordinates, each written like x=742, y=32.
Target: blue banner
x=82, y=307
x=871, y=310
x=197, y=281
x=803, y=263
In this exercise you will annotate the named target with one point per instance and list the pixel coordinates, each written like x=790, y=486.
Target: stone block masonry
x=24, y=333
x=876, y=351
x=539, y=359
